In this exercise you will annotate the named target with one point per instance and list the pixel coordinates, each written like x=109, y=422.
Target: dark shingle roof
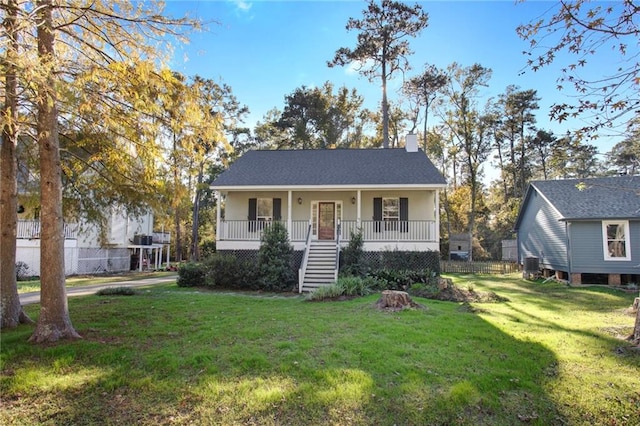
x=330, y=167
x=602, y=198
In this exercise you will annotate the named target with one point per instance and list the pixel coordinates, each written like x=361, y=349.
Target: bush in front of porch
x=275, y=259
x=269, y=269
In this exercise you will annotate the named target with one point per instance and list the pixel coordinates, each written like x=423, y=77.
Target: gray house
x=584, y=230
x=322, y=196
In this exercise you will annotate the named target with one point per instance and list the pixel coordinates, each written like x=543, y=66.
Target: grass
x=168, y=355
x=80, y=281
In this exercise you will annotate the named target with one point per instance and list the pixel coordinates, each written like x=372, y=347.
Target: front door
x=326, y=221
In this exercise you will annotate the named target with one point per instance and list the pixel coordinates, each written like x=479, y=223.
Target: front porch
x=390, y=219
x=408, y=234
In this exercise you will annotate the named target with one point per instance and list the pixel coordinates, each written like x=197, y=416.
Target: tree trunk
x=11, y=312
x=176, y=201
x=54, y=322
x=385, y=105
x=195, y=226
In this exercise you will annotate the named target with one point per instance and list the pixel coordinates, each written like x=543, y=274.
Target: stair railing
x=305, y=260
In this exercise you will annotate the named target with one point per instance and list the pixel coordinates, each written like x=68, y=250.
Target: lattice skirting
x=398, y=260
x=252, y=257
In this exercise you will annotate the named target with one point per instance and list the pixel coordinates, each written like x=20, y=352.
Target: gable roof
x=602, y=198
x=330, y=168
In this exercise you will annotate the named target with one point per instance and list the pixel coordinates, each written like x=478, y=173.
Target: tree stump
x=393, y=299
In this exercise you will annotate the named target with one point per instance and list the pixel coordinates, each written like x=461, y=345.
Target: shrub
x=191, y=274
x=275, y=259
x=325, y=292
x=22, y=271
x=423, y=290
x=227, y=271
x=353, y=261
x=116, y=291
x=345, y=286
x=393, y=279
x=354, y=286
x=207, y=249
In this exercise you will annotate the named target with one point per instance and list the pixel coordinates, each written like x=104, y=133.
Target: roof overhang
x=597, y=219
x=328, y=187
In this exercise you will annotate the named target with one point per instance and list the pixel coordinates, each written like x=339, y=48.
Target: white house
x=322, y=196
x=87, y=252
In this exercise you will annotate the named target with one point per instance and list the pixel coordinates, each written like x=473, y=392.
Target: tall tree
x=421, y=91
x=518, y=119
x=316, y=118
x=74, y=39
x=542, y=145
x=625, y=155
x=11, y=312
x=219, y=116
x=470, y=129
x=54, y=322
x=382, y=48
x=585, y=29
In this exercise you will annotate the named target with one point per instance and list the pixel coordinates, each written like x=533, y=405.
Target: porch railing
x=30, y=229
x=372, y=230
x=251, y=230
x=403, y=230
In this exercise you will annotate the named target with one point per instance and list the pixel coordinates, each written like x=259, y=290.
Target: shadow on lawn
x=243, y=360
x=209, y=358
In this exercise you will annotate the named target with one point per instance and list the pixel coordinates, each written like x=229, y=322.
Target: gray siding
x=587, y=251
x=541, y=234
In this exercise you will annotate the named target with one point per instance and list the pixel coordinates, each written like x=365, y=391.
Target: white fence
x=78, y=261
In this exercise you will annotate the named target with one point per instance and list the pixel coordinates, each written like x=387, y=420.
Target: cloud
x=242, y=5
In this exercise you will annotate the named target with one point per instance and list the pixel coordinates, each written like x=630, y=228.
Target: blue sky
x=266, y=49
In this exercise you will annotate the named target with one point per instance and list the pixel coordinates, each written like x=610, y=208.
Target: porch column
x=218, y=215
x=289, y=209
x=437, y=213
x=358, y=208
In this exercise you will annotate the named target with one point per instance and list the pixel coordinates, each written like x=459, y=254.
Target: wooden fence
x=497, y=267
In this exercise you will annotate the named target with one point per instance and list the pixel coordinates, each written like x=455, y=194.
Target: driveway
x=34, y=297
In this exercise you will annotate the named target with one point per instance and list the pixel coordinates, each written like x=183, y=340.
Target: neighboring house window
x=616, y=240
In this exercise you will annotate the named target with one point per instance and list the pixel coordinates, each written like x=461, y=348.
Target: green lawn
x=79, y=281
x=552, y=355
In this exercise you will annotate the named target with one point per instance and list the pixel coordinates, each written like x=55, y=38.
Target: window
x=264, y=209
x=615, y=239
x=390, y=213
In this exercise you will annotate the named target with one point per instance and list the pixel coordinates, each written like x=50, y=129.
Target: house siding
x=543, y=235
x=421, y=203
x=587, y=250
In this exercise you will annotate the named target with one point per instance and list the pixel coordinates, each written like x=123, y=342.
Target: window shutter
x=404, y=215
x=253, y=211
x=377, y=213
x=277, y=209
